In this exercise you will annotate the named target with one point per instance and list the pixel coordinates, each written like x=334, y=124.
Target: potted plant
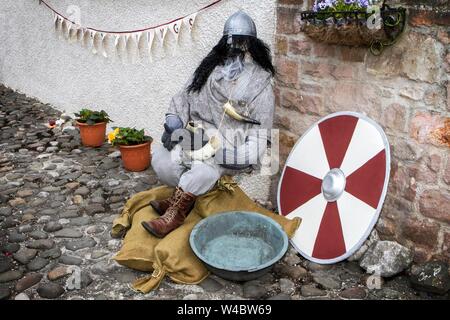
x=92, y=126
x=134, y=147
x=369, y=23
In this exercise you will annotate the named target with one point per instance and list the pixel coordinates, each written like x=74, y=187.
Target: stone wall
x=406, y=90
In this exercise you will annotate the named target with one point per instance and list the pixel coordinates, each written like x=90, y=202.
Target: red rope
x=131, y=31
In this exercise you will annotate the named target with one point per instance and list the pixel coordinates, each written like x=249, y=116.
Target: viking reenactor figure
x=218, y=124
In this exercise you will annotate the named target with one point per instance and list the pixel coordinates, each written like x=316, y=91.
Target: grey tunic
x=251, y=94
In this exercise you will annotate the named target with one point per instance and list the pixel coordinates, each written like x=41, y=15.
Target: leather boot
x=174, y=215
x=160, y=206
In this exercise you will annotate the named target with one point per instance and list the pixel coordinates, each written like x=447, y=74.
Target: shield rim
x=358, y=245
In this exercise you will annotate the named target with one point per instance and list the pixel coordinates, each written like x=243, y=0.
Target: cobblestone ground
x=58, y=200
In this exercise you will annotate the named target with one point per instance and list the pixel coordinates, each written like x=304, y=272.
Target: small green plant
x=92, y=117
x=127, y=137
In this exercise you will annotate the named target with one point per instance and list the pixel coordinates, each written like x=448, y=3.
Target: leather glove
x=173, y=122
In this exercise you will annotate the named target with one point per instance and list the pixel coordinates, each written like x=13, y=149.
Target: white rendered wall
x=34, y=61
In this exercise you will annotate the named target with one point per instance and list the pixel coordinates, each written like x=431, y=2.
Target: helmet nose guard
x=240, y=24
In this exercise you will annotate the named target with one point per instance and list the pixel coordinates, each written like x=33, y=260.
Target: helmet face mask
x=237, y=45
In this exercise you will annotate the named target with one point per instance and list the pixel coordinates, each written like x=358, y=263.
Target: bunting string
x=133, y=42
x=132, y=31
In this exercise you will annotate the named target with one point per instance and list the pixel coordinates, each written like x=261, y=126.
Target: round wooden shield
x=335, y=179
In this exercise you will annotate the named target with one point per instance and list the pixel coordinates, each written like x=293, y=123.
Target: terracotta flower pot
x=92, y=135
x=136, y=158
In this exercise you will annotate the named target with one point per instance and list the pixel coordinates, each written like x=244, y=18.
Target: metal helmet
x=240, y=24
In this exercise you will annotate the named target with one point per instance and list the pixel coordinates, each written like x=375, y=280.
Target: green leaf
x=92, y=117
x=130, y=136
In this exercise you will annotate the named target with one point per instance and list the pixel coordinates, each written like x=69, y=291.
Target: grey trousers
x=197, y=177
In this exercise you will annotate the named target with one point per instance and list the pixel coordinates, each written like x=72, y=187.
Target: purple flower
x=323, y=5
x=363, y=3
x=349, y=1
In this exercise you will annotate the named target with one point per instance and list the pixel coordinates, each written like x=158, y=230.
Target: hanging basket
x=353, y=28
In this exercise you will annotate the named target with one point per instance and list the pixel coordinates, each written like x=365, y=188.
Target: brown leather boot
x=174, y=216
x=160, y=206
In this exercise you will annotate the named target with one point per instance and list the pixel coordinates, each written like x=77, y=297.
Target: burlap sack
x=172, y=255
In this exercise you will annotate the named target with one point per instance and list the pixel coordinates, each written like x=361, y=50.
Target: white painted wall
x=34, y=61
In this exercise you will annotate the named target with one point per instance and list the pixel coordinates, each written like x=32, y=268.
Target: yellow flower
x=112, y=135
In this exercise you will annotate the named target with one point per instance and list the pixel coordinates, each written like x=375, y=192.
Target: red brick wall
x=406, y=90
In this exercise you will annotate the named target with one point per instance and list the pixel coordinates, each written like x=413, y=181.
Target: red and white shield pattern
x=357, y=149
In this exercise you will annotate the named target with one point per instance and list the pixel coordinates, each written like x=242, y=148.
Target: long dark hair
x=258, y=50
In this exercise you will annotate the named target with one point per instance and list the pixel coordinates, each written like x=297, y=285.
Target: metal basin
x=237, y=245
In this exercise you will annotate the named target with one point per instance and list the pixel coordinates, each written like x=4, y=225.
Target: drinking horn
x=207, y=151
x=231, y=111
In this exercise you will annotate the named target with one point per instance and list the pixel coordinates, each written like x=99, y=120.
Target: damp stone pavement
x=57, y=203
